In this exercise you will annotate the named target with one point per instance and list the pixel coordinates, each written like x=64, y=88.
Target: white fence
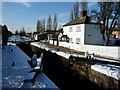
x=107, y=51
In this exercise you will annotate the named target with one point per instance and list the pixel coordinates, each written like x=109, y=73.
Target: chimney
x=83, y=13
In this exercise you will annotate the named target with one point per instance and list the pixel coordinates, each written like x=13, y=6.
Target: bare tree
x=107, y=18
x=55, y=23
x=49, y=23
x=118, y=22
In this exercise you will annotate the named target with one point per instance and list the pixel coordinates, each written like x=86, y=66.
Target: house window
x=78, y=29
x=70, y=40
x=78, y=40
x=70, y=29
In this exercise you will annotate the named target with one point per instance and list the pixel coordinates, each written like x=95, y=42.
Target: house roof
x=80, y=20
x=65, y=36
x=117, y=29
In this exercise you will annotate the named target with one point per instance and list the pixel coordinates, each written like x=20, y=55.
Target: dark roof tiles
x=80, y=20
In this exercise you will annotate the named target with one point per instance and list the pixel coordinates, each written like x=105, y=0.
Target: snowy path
x=14, y=66
x=42, y=81
x=109, y=70
x=67, y=54
x=15, y=69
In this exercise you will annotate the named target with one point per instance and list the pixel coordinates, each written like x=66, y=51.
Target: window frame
x=70, y=29
x=78, y=40
x=78, y=28
x=70, y=40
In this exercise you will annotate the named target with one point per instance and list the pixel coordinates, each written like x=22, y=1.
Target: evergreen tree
x=43, y=24
x=83, y=6
x=71, y=15
x=76, y=10
x=16, y=32
x=5, y=34
x=55, y=23
x=38, y=28
x=49, y=23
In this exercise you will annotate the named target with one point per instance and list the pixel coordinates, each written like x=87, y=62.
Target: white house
x=82, y=31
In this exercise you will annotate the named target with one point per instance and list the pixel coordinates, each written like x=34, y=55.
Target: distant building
x=82, y=31
x=116, y=33
x=55, y=36
x=40, y=36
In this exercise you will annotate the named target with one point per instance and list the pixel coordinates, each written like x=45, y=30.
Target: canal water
x=54, y=69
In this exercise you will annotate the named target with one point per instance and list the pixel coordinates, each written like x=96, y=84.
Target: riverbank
x=86, y=69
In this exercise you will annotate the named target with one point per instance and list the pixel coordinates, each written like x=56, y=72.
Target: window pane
x=77, y=40
x=78, y=29
x=70, y=29
x=70, y=39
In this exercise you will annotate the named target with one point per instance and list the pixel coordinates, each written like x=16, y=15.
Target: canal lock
x=72, y=73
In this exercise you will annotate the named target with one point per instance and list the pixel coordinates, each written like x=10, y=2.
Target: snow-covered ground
x=14, y=66
x=42, y=81
x=109, y=70
x=15, y=70
x=67, y=54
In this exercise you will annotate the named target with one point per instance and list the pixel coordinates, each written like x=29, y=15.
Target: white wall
x=90, y=34
x=107, y=51
x=93, y=35
x=36, y=37
x=75, y=34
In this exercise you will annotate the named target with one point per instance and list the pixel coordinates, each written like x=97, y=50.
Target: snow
x=29, y=76
x=39, y=60
x=109, y=70
x=109, y=60
x=14, y=74
x=16, y=70
x=42, y=46
x=42, y=81
x=67, y=54
x=63, y=54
